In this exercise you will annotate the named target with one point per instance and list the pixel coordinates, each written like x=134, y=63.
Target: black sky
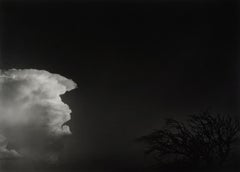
x=135, y=64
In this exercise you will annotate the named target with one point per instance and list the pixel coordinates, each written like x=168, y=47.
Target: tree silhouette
x=204, y=139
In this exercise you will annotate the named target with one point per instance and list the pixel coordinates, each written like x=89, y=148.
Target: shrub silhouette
x=205, y=139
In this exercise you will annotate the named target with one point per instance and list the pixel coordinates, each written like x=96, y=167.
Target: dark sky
x=135, y=64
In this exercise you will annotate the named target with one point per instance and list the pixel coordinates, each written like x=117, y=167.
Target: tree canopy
x=204, y=139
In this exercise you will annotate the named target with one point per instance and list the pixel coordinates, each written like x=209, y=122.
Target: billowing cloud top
x=32, y=114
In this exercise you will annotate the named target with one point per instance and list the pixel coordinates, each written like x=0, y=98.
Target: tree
x=204, y=139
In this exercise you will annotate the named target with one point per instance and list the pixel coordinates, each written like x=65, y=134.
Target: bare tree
x=205, y=138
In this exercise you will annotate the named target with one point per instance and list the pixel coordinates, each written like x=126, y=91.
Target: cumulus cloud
x=32, y=114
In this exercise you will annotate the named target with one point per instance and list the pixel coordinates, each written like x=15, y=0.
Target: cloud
x=6, y=153
x=32, y=114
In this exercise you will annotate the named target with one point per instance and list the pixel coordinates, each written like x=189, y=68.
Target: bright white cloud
x=32, y=114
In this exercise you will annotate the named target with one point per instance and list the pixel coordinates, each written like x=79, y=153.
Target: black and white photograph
x=119, y=85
